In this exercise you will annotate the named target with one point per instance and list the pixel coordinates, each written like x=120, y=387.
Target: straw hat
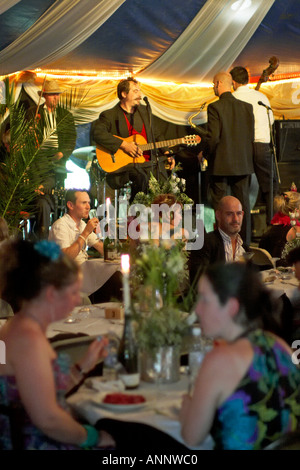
x=51, y=86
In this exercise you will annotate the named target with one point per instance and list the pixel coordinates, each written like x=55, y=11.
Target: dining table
x=88, y=320
x=96, y=272
x=282, y=281
x=163, y=401
x=160, y=409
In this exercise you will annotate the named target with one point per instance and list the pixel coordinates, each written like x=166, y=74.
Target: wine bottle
x=109, y=248
x=128, y=354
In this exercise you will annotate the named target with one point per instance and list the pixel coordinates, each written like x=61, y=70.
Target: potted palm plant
x=25, y=165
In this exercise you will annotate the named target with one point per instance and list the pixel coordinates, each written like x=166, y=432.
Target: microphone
x=146, y=100
x=263, y=104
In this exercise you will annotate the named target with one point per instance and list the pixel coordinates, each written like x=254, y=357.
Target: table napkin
x=100, y=385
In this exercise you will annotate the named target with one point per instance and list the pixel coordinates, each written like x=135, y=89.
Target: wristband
x=79, y=369
x=81, y=236
x=92, y=438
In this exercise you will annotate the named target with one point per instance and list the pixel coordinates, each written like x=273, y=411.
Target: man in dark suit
x=224, y=244
x=126, y=119
x=229, y=147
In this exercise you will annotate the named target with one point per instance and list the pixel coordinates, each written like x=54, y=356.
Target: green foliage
x=174, y=185
x=159, y=274
x=34, y=142
x=160, y=327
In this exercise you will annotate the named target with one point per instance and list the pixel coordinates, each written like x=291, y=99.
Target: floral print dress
x=266, y=403
x=29, y=437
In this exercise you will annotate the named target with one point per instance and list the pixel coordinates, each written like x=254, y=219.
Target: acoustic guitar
x=110, y=162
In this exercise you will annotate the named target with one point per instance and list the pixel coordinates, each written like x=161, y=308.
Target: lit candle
x=125, y=267
x=107, y=214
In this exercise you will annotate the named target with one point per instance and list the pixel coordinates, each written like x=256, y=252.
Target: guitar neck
x=164, y=143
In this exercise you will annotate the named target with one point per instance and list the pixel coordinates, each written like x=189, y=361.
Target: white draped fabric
x=212, y=41
x=65, y=25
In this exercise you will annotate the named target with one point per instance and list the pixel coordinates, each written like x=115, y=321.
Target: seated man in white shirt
x=74, y=236
x=224, y=244
x=71, y=232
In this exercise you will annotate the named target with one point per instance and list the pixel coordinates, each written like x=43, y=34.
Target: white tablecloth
x=96, y=272
x=89, y=320
x=161, y=412
x=280, y=286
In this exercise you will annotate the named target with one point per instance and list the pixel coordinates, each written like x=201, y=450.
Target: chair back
x=74, y=347
x=262, y=258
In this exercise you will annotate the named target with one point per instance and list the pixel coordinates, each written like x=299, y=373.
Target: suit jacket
x=230, y=136
x=212, y=252
x=112, y=122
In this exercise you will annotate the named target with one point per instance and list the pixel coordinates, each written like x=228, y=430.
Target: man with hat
x=51, y=116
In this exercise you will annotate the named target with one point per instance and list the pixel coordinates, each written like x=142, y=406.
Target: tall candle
x=107, y=214
x=125, y=267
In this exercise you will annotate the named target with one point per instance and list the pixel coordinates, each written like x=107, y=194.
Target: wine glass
x=158, y=370
x=81, y=314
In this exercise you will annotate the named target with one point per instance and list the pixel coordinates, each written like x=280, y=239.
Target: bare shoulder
x=24, y=335
x=230, y=359
x=25, y=344
x=225, y=366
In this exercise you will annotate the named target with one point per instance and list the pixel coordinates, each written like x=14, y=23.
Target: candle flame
x=125, y=264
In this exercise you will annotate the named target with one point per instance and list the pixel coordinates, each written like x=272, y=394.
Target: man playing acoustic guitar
x=118, y=133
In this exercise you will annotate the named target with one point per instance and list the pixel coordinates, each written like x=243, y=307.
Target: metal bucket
x=162, y=366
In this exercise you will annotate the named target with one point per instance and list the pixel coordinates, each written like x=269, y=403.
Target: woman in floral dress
x=247, y=392
x=42, y=285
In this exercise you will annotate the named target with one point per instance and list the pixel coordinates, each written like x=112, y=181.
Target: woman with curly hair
x=42, y=285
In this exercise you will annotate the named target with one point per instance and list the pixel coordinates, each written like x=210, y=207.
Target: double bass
x=274, y=62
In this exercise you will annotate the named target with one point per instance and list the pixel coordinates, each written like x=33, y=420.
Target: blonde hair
x=169, y=199
x=287, y=202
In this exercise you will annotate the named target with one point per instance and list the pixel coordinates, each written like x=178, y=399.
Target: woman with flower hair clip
x=42, y=285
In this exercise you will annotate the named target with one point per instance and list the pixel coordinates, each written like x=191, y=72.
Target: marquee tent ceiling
x=159, y=39
x=173, y=47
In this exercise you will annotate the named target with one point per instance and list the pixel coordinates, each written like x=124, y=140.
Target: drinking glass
x=156, y=370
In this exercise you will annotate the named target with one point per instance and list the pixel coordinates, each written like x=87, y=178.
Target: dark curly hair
x=124, y=85
x=24, y=272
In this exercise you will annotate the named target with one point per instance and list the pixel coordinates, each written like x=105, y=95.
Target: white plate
x=123, y=408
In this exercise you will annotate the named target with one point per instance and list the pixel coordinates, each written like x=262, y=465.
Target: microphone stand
x=272, y=165
x=154, y=150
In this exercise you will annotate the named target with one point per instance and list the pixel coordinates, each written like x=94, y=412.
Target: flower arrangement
x=295, y=243
x=174, y=185
x=159, y=276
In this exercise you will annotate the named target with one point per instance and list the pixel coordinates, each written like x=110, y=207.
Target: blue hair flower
x=48, y=249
